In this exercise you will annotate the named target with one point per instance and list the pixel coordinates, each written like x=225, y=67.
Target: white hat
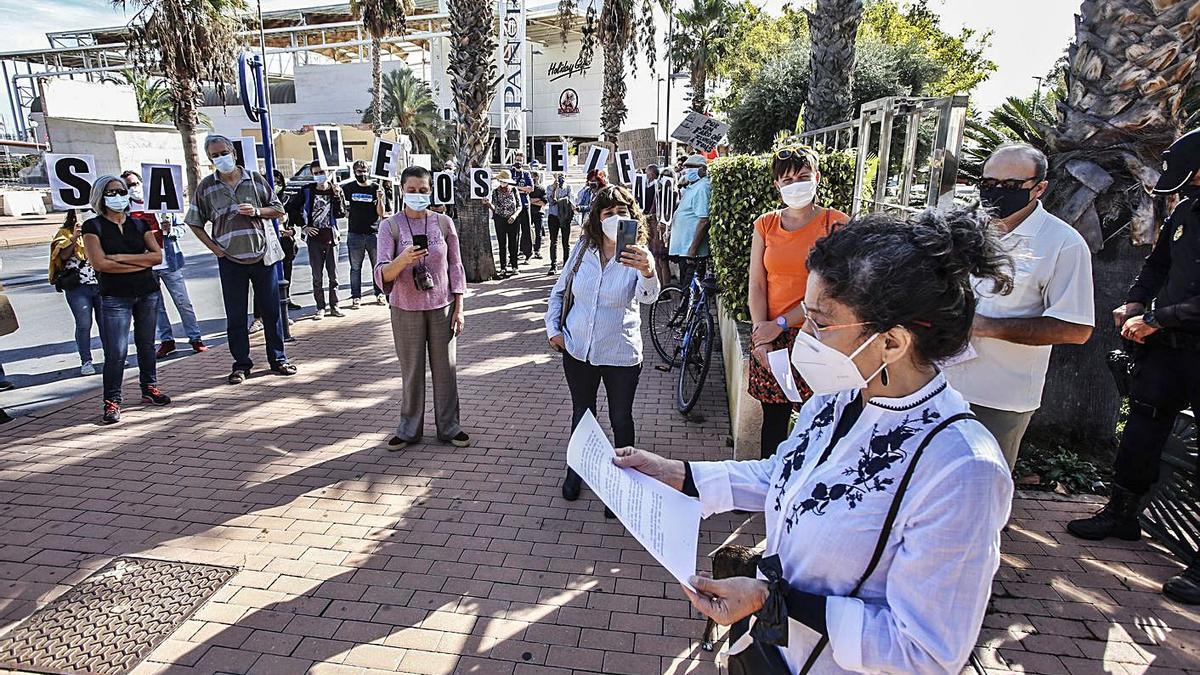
x=696, y=161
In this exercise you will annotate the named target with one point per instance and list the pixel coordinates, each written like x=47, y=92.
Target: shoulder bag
x=568, y=296
x=760, y=658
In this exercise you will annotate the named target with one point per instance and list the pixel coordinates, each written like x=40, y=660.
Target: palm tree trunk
x=376, y=87
x=186, y=118
x=834, y=29
x=613, y=109
x=472, y=67
x=1128, y=69
x=699, y=86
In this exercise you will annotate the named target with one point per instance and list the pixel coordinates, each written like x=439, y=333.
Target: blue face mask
x=692, y=175
x=416, y=201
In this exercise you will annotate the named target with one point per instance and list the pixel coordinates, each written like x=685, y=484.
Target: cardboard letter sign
x=700, y=131
x=668, y=199
x=626, y=169
x=556, y=157
x=481, y=183
x=247, y=154
x=163, y=188
x=443, y=187
x=639, y=190
x=383, y=160
x=330, y=152
x=597, y=159
x=71, y=179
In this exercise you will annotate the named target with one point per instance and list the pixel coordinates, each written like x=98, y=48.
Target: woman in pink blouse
x=421, y=272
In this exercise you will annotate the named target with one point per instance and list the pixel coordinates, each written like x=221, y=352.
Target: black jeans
x=1165, y=381
x=620, y=385
x=775, y=420
x=116, y=314
x=526, y=233
x=506, y=234
x=559, y=231
x=322, y=260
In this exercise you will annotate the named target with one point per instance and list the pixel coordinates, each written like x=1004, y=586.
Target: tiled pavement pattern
x=439, y=560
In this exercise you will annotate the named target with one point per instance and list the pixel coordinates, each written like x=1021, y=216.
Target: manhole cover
x=113, y=619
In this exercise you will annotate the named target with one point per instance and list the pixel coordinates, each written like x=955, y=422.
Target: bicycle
x=682, y=331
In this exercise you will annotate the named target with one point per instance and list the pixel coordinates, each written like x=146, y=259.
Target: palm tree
x=381, y=18
x=701, y=40
x=1129, y=69
x=834, y=30
x=472, y=69
x=189, y=42
x=1021, y=120
x=407, y=105
x=153, y=100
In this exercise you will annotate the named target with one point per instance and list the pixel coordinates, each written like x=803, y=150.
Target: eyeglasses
x=116, y=193
x=1007, y=183
x=816, y=329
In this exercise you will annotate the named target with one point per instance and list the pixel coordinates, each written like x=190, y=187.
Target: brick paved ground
x=439, y=560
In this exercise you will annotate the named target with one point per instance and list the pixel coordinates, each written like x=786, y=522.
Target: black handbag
x=67, y=279
x=761, y=658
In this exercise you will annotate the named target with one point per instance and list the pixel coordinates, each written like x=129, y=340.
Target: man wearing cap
x=689, y=227
x=1162, y=314
x=1003, y=372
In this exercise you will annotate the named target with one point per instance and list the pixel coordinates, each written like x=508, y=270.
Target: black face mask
x=1003, y=202
x=360, y=177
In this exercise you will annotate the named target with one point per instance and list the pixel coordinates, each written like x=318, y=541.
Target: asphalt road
x=41, y=359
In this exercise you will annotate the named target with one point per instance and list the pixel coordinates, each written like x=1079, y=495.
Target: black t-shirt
x=363, y=215
x=129, y=238
x=539, y=192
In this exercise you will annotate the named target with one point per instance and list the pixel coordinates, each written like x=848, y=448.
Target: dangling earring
x=883, y=376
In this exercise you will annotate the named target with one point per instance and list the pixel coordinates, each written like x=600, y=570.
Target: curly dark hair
x=914, y=273
x=611, y=195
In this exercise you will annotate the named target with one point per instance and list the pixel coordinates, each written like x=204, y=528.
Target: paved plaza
x=439, y=560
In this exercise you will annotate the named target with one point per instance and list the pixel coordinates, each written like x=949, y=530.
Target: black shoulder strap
x=888, y=522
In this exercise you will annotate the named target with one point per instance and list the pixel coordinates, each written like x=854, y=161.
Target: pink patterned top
x=444, y=261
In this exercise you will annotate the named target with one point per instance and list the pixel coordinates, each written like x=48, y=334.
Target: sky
x=1028, y=35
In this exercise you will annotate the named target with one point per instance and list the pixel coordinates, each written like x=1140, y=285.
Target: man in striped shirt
x=235, y=201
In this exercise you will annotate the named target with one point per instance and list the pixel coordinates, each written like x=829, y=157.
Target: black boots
x=1185, y=588
x=571, y=486
x=1118, y=518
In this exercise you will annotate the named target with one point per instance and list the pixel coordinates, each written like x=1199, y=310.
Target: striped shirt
x=604, y=327
x=241, y=237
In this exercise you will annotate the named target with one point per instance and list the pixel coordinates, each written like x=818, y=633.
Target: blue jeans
x=116, y=313
x=84, y=302
x=177, y=289
x=236, y=280
x=360, y=246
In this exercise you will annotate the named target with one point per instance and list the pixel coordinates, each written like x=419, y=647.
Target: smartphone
x=627, y=231
x=421, y=241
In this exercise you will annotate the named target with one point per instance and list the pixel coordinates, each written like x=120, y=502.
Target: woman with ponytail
x=884, y=506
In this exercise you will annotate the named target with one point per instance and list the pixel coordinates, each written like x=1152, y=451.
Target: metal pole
x=259, y=69
x=670, y=80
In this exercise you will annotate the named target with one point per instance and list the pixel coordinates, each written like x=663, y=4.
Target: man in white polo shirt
x=1004, y=370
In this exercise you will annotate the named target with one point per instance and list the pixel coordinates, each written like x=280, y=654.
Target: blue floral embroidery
x=881, y=453
x=794, y=459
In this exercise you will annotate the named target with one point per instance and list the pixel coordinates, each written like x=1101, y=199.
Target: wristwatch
x=1148, y=317
x=256, y=213
x=782, y=322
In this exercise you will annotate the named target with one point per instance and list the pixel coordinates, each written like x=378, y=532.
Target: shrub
x=742, y=190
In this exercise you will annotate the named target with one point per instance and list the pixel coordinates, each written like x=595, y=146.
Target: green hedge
x=742, y=190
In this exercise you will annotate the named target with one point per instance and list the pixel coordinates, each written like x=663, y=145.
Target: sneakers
x=112, y=412
x=379, y=299
x=462, y=440
x=165, y=349
x=284, y=368
x=503, y=273
x=87, y=369
x=320, y=314
x=396, y=443
x=154, y=396
x=256, y=326
x=354, y=303
x=1118, y=518
x=537, y=255
x=293, y=306
x=334, y=312
x=238, y=376
x=198, y=346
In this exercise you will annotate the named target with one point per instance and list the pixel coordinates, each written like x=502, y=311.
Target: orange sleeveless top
x=785, y=256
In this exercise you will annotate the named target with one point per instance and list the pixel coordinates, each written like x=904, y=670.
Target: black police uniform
x=1166, y=372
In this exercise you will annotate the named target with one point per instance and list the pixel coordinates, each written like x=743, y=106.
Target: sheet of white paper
x=961, y=357
x=663, y=520
x=781, y=368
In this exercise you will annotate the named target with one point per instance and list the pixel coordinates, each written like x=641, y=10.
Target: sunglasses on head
x=116, y=193
x=797, y=151
x=1007, y=183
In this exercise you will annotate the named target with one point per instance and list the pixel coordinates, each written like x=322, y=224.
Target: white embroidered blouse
x=922, y=608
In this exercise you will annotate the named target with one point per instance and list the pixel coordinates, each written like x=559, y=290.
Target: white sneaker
x=87, y=369
x=256, y=326
x=354, y=303
x=380, y=300
x=320, y=314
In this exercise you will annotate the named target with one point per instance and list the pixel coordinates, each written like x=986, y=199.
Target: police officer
x=1162, y=314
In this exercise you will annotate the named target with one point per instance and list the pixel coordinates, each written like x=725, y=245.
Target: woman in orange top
x=778, y=275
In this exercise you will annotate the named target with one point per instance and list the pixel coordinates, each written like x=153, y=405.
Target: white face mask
x=610, y=225
x=799, y=194
x=225, y=163
x=117, y=203
x=135, y=194
x=416, y=201
x=825, y=369
x=321, y=178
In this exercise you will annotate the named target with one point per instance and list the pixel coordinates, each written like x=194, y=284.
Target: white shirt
x=922, y=608
x=1052, y=277
x=604, y=327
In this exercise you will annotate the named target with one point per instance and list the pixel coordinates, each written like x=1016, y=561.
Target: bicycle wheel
x=697, y=358
x=666, y=323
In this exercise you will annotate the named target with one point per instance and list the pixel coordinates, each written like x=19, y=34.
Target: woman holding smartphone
x=598, y=326
x=420, y=270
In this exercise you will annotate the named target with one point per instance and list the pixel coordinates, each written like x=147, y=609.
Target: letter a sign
x=163, y=187
x=71, y=179
x=330, y=152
